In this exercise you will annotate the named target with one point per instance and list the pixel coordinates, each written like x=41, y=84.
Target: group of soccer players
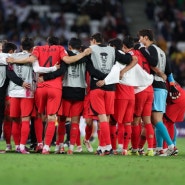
x=123, y=85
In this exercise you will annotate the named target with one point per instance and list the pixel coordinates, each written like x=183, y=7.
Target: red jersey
x=175, y=108
x=142, y=61
x=48, y=56
x=181, y=98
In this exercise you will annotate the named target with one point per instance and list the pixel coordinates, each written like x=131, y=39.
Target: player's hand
x=100, y=83
x=26, y=85
x=164, y=76
x=174, y=93
x=10, y=60
x=57, y=65
x=121, y=74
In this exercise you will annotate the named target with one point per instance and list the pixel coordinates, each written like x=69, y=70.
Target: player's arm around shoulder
x=129, y=66
x=29, y=59
x=71, y=59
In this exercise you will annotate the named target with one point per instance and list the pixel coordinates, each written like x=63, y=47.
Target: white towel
x=136, y=77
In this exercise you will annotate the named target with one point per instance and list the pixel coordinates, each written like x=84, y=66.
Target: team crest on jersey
x=104, y=57
x=104, y=61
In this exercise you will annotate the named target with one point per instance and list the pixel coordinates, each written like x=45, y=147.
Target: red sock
x=142, y=141
x=120, y=133
x=61, y=130
x=78, y=139
x=135, y=136
x=38, y=124
x=127, y=136
x=100, y=138
x=88, y=131
x=105, y=132
x=50, y=130
x=149, y=135
x=7, y=129
x=16, y=132
x=113, y=136
x=74, y=133
x=25, y=130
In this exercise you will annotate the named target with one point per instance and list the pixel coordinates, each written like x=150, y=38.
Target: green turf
x=88, y=169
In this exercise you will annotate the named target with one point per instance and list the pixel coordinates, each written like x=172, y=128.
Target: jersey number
x=48, y=61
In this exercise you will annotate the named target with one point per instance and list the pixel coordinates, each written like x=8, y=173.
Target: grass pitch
x=87, y=169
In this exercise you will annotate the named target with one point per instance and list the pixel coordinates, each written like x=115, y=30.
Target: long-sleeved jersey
x=157, y=58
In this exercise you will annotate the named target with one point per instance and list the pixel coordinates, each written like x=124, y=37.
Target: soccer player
x=7, y=48
x=155, y=55
x=174, y=113
x=21, y=96
x=73, y=93
x=102, y=98
x=143, y=102
x=175, y=110
x=123, y=109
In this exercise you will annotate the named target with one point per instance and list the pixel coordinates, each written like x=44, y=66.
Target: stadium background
x=114, y=18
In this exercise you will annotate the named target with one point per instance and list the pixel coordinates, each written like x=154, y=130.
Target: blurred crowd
x=68, y=18
x=168, y=17
x=64, y=18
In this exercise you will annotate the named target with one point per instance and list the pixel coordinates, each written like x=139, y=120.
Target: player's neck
x=149, y=44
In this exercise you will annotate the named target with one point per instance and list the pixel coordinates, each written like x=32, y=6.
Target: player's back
x=25, y=72
x=142, y=61
x=48, y=56
x=103, y=57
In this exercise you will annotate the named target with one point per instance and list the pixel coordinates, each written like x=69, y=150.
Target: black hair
x=83, y=47
x=98, y=37
x=116, y=42
x=27, y=43
x=53, y=40
x=148, y=33
x=8, y=46
x=3, y=41
x=128, y=41
x=136, y=39
x=75, y=43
